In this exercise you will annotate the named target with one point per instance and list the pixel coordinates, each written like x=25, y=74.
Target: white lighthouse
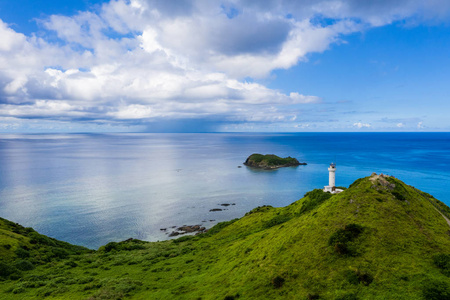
x=331, y=187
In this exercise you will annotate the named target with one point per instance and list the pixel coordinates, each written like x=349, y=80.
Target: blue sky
x=196, y=66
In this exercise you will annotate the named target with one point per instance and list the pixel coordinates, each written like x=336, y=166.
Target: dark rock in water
x=163, y=229
x=239, y=166
x=270, y=161
x=216, y=209
x=188, y=229
x=225, y=204
x=191, y=228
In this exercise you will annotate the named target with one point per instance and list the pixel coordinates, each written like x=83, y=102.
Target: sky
x=224, y=66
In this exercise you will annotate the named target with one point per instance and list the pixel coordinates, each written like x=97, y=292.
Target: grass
x=399, y=248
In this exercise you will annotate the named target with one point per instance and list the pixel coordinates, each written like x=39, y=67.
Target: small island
x=271, y=161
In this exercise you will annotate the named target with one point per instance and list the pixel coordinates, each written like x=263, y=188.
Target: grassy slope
x=270, y=253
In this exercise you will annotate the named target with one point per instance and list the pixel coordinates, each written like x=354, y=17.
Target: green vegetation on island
x=271, y=161
x=378, y=239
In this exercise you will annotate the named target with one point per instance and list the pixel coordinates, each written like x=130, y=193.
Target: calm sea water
x=93, y=189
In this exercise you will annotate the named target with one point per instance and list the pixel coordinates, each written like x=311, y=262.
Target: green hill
x=378, y=239
x=271, y=161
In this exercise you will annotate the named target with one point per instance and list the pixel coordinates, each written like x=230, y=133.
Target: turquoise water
x=91, y=189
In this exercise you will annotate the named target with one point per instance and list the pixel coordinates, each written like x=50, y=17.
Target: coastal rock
x=271, y=161
x=216, y=209
x=188, y=229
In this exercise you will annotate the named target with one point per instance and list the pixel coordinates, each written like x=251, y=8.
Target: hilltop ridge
x=378, y=239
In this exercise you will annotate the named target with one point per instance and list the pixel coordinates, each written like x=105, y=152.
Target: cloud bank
x=140, y=63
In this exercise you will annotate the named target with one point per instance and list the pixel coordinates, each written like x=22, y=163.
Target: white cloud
x=362, y=125
x=145, y=59
x=400, y=125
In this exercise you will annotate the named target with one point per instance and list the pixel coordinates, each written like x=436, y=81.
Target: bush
x=18, y=290
x=315, y=198
x=436, y=290
x=36, y=238
x=398, y=195
x=442, y=261
x=348, y=234
x=276, y=221
x=183, y=239
x=342, y=237
x=22, y=253
x=6, y=270
x=59, y=252
x=347, y=297
x=24, y=265
x=263, y=208
x=357, y=276
x=109, y=247
x=278, y=282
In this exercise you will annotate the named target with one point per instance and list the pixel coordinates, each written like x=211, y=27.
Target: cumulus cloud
x=362, y=125
x=146, y=60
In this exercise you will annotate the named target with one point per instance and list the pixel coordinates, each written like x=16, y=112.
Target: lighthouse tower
x=331, y=187
x=332, y=176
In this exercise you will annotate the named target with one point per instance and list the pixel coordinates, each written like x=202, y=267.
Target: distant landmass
x=378, y=239
x=271, y=161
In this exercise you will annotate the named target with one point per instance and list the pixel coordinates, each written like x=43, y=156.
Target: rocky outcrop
x=188, y=229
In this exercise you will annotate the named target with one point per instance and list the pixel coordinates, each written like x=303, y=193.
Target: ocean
x=91, y=189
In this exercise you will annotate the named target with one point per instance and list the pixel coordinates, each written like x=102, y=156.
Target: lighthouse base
x=331, y=189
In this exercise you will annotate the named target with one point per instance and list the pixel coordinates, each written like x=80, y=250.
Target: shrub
x=59, y=252
x=71, y=264
x=263, y=208
x=183, y=239
x=36, y=238
x=278, y=282
x=436, y=290
x=18, y=290
x=364, y=277
x=442, y=261
x=347, y=297
x=357, y=276
x=109, y=247
x=22, y=253
x=276, y=221
x=342, y=237
x=351, y=277
x=6, y=270
x=398, y=195
x=230, y=297
x=315, y=198
x=24, y=265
